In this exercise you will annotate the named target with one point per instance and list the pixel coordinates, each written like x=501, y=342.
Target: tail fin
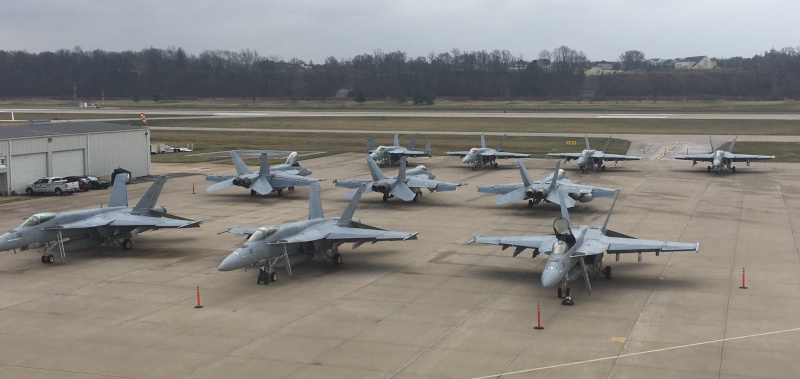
x=730, y=150
x=396, y=139
x=413, y=142
x=428, y=148
x=347, y=216
x=374, y=170
x=483, y=141
x=713, y=148
x=564, y=211
x=370, y=145
x=605, y=149
x=119, y=194
x=526, y=177
x=241, y=168
x=401, y=176
x=264, y=170
x=150, y=198
x=500, y=145
x=314, y=202
x=608, y=217
x=554, y=181
x=292, y=159
x=587, y=142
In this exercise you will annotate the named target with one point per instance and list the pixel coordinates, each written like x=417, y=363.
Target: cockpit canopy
x=473, y=150
x=421, y=168
x=381, y=148
x=38, y=219
x=563, y=230
x=719, y=153
x=585, y=152
x=262, y=233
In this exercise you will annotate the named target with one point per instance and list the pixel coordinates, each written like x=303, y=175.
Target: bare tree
x=632, y=60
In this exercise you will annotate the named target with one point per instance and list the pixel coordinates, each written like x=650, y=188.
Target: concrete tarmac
x=431, y=308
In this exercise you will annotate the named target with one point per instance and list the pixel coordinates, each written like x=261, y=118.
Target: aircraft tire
x=607, y=272
x=127, y=244
x=262, y=277
x=337, y=259
x=50, y=258
x=44, y=259
x=273, y=277
x=560, y=293
x=280, y=192
x=733, y=168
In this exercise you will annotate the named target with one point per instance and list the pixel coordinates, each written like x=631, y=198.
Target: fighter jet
x=115, y=224
x=265, y=180
x=545, y=189
x=573, y=249
x=289, y=244
x=481, y=156
x=407, y=185
x=721, y=159
x=593, y=158
x=389, y=155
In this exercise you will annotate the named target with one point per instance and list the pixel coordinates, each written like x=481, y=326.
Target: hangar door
x=68, y=163
x=26, y=169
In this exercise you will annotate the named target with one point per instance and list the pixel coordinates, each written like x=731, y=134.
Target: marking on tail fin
x=348, y=213
x=119, y=194
x=241, y=167
x=374, y=170
x=150, y=197
x=608, y=217
x=315, y=203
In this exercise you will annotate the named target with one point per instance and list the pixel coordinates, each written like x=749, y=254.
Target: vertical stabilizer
x=608, y=217
x=119, y=194
x=413, y=142
x=264, y=170
x=564, y=211
x=150, y=197
x=526, y=177
x=587, y=142
x=605, y=149
x=241, y=168
x=374, y=170
x=730, y=150
x=314, y=202
x=396, y=139
x=401, y=176
x=370, y=145
x=713, y=148
x=554, y=180
x=428, y=148
x=500, y=145
x=347, y=216
x=483, y=141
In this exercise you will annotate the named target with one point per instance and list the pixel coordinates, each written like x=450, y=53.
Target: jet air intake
x=242, y=182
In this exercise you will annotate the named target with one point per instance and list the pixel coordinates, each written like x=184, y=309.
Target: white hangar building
x=32, y=151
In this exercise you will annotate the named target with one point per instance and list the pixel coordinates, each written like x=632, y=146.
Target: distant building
x=602, y=68
x=696, y=63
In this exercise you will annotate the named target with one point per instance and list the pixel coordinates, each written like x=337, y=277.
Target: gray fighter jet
x=594, y=158
x=389, y=155
x=115, y=224
x=545, y=189
x=721, y=159
x=407, y=185
x=572, y=250
x=482, y=156
x=289, y=244
x=265, y=180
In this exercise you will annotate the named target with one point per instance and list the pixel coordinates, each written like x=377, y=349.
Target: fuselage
x=34, y=231
x=586, y=157
x=562, y=262
x=475, y=154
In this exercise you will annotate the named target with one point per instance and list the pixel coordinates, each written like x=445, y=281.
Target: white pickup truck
x=54, y=185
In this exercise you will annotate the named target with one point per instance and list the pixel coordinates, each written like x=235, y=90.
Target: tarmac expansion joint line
x=667, y=150
x=637, y=353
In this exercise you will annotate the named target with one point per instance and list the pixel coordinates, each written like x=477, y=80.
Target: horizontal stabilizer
x=511, y=197
x=553, y=198
x=402, y=191
x=220, y=185
x=261, y=185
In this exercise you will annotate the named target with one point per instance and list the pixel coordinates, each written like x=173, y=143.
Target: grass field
x=334, y=143
x=788, y=152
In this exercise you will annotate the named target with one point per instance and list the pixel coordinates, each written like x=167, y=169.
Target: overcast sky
x=316, y=29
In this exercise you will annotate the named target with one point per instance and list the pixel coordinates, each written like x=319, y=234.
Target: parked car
x=84, y=184
x=98, y=183
x=55, y=185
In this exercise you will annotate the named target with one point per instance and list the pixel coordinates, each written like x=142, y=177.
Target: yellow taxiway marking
x=667, y=151
x=619, y=339
x=639, y=353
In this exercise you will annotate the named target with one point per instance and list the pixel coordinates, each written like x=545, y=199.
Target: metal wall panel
x=29, y=145
x=68, y=163
x=128, y=149
x=25, y=169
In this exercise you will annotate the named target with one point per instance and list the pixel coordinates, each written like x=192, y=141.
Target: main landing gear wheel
x=127, y=244
x=337, y=259
x=263, y=277
x=495, y=165
x=603, y=167
x=708, y=169
x=560, y=293
x=50, y=258
x=273, y=277
x=607, y=272
x=253, y=193
x=280, y=192
x=733, y=168
x=530, y=203
x=385, y=197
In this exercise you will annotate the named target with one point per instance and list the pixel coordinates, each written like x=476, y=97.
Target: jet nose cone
x=550, y=278
x=309, y=171
x=231, y=262
x=581, y=161
x=467, y=159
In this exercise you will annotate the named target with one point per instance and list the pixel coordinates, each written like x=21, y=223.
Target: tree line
x=153, y=74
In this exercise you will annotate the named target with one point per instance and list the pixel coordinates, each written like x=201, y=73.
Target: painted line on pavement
x=667, y=151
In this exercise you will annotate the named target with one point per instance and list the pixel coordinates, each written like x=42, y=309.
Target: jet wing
x=351, y=183
x=412, y=153
x=458, y=153
x=748, y=157
x=128, y=220
x=283, y=180
x=499, y=189
x=569, y=156
x=543, y=243
x=617, y=157
x=345, y=234
x=432, y=184
x=696, y=157
x=240, y=230
x=581, y=189
x=634, y=245
x=504, y=155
